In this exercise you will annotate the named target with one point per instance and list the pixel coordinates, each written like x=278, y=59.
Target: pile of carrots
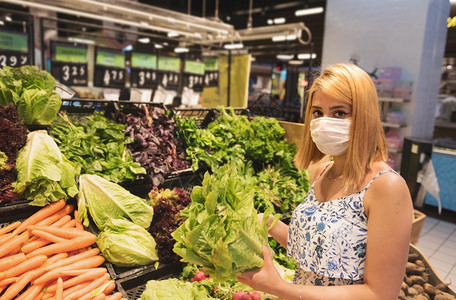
x=49, y=255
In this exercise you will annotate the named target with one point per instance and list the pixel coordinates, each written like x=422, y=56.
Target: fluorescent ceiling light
x=2, y=23
x=309, y=11
x=279, y=20
x=158, y=46
x=97, y=17
x=271, y=21
x=281, y=38
x=306, y=55
x=81, y=41
x=128, y=48
x=285, y=56
x=144, y=40
x=8, y=18
x=233, y=46
x=181, y=50
x=295, y=62
x=173, y=34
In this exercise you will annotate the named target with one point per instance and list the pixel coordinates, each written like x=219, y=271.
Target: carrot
x=33, y=245
x=72, y=259
x=55, y=258
x=89, y=288
x=66, y=210
x=59, y=223
x=48, y=236
x=108, y=290
x=97, y=291
x=67, y=233
x=17, y=240
x=115, y=296
x=8, y=280
x=11, y=261
x=99, y=297
x=29, y=264
x=91, y=262
x=59, y=289
x=17, y=286
x=81, y=271
x=70, y=245
x=75, y=288
x=10, y=227
x=32, y=292
x=40, y=215
x=78, y=223
x=6, y=237
x=70, y=224
x=90, y=274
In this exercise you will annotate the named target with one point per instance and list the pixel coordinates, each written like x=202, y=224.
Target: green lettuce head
x=126, y=245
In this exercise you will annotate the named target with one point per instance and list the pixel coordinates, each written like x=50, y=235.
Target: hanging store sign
x=193, y=76
x=14, y=49
x=211, y=72
x=169, y=72
x=144, y=71
x=109, y=68
x=69, y=63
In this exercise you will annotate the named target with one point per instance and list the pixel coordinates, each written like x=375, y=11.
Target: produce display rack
x=199, y=114
x=134, y=285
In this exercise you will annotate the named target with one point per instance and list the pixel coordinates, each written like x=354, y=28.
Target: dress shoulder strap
x=378, y=174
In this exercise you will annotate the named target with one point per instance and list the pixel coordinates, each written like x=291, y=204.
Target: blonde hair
x=350, y=84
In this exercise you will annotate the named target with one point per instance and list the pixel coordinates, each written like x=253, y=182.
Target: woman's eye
x=340, y=114
x=317, y=114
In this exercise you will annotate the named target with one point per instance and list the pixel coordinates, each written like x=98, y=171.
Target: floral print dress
x=328, y=239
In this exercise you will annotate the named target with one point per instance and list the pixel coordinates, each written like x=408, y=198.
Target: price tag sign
x=211, y=72
x=193, y=76
x=144, y=71
x=14, y=50
x=109, y=68
x=169, y=75
x=69, y=64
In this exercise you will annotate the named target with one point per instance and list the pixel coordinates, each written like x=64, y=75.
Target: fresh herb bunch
x=157, y=146
x=167, y=205
x=98, y=145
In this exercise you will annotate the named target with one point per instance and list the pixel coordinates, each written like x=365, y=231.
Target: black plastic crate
x=16, y=211
x=199, y=114
x=87, y=106
x=185, y=181
x=133, y=286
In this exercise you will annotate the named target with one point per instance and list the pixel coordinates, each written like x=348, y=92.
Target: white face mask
x=331, y=135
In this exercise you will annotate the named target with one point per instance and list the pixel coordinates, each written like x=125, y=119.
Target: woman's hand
x=264, y=279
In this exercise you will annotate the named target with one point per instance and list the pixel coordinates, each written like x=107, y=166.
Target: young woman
x=350, y=236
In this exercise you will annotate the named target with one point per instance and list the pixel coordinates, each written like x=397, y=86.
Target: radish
x=241, y=295
x=199, y=276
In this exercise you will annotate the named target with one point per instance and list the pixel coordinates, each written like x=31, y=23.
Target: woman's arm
x=390, y=214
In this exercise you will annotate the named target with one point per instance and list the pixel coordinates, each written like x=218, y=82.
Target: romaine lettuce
x=173, y=289
x=104, y=199
x=126, y=244
x=222, y=231
x=44, y=174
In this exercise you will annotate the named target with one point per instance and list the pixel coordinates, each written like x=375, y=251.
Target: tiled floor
x=437, y=241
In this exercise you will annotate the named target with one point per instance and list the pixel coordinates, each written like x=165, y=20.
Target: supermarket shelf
x=393, y=125
x=390, y=99
x=445, y=124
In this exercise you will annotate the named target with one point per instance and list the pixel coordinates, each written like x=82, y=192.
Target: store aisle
x=437, y=241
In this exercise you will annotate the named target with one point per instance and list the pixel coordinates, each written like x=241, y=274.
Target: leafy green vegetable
x=173, y=289
x=44, y=173
x=98, y=145
x=104, y=199
x=222, y=231
x=32, y=92
x=126, y=244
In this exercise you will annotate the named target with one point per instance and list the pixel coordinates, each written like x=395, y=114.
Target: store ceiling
x=237, y=12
